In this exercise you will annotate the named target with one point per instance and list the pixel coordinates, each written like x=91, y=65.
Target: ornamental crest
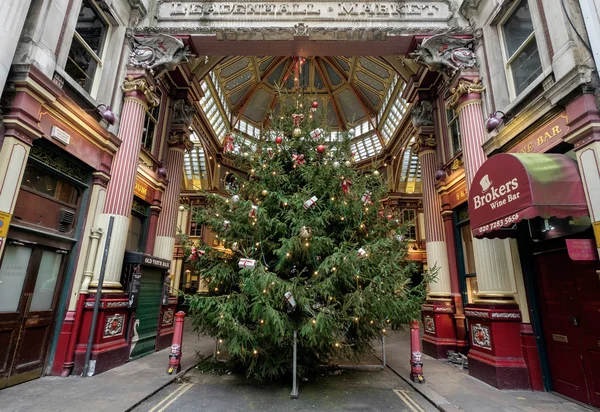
x=168, y=317
x=481, y=336
x=429, y=324
x=114, y=325
x=159, y=53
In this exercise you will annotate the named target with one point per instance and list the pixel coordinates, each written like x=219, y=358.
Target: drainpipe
x=69, y=363
x=592, y=25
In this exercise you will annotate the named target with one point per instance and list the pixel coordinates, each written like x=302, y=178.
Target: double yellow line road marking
x=410, y=402
x=172, y=397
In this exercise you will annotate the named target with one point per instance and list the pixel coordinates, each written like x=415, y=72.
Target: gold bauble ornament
x=376, y=173
x=297, y=132
x=304, y=232
x=265, y=192
x=347, y=163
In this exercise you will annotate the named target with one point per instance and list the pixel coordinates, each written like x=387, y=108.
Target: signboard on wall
x=545, y=137
x=582, y=249
x=143, y=191
x=4, y=223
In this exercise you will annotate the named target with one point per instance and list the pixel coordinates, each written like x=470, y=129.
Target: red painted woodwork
x=439, y=333
x=167, y=324
x=108, y=351
x=570, y=306
x=69, y=355
x=62, y=346
x=496, y=355
x=531, y=356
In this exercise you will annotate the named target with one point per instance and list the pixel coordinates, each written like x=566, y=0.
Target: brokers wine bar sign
x=399, y=11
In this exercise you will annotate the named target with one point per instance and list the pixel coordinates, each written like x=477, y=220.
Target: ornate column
x=12, y=20
x=179, y=142
x=494, y=319
x=438, y=323
x=139, y=94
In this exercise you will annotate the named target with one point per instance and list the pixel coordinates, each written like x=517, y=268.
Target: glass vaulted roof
x=358, y=93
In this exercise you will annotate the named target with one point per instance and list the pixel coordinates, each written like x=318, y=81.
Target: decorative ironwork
x=58, y=163
x=139, y=207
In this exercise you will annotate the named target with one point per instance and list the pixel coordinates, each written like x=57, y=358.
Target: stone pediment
x=303, y=18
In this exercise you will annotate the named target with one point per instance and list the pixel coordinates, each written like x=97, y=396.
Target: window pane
x=467, y=246
x=526, y=67
x=134, y=234
x=12, y=276
x=41, y=182
x=91, y=27
x=45, y=283
x=517, y=28
x=81, y=66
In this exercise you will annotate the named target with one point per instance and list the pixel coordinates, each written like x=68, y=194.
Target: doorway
x=570, y=309
x=30, y=281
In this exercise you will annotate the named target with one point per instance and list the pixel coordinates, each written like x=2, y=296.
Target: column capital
x=464, y=87
x=100, y=178
x=180, y=139
x=138, y=85
x=424, y=143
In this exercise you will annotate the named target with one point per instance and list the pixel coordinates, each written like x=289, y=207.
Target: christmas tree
x=308, y=247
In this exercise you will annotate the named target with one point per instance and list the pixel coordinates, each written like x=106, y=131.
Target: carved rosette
x=141, y=85
x=464, y=87
x=180, y=139
x=423, y=143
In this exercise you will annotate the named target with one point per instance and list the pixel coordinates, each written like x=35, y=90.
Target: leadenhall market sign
x=402, y=14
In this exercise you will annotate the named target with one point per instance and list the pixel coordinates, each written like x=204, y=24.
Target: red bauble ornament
x=315, y=104
x=321, y=148
x=279, y=140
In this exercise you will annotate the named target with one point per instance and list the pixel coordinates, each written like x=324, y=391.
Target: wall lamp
x=106, y=113
x=495, y=120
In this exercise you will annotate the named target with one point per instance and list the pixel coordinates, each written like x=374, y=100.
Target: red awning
x=510, y=187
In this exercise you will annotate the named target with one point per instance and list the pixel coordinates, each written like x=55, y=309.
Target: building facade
x=115, y=118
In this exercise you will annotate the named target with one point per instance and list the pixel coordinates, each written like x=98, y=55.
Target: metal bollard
x=416, y=364
x=175, y=355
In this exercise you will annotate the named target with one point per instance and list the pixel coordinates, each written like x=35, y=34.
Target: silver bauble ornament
x=235, y=198
x=351, y=132
x=235, y=247
x=304, y=232
x=376, y=173
x=336, y=164
x=347, y=163
x=297, y=132
x=246, y=154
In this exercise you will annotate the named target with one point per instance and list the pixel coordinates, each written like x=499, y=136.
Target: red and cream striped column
x=139, y=94
x=439, y=330
x=179, y=141
x=437, y=256
x=493, y=260
x=495, y=354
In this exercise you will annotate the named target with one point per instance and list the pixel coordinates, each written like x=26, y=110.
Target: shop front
x=539, y=199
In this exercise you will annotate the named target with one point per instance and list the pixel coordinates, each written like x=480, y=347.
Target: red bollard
x=416, y=365
x=175, y=355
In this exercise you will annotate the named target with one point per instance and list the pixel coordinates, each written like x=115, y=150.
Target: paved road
x=349, y=391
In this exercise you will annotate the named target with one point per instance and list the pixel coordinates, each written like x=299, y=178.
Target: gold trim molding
x=463, y=87
x=141, y=85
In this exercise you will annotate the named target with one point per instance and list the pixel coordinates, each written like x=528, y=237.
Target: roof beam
x=333, y=104
x=202, y=70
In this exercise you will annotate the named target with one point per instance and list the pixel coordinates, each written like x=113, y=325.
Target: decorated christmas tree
x=308, y=247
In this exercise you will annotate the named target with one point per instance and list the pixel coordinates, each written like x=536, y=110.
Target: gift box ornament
x=290, y=299
x=317, y=134
x=226, y=224
x=366, y=198
x=228, y=143
x=298, y=159
x=270, y=152
x=362, y=253
x=195, y=254
x=310, y=202
x=245, y=263
x=253, y=211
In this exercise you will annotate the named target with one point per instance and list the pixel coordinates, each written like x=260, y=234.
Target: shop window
x=85, y=55
x=196, y=230
x=453, y=132
x=521, y=54
x=150, y=126
x=410, y=221
x=42, y=182
x=138, y=222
